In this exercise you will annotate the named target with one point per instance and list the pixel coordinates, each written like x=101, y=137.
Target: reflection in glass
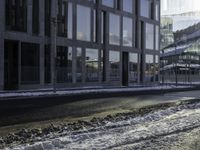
x=64, y=64
x=114, y=29
x=133, y=67
x=150, y=69
x=83, y=23
x=157, y=12
x=78, y=65
x=92, y=65
x=109, y=3
x=128, y=5
x=145, y=8
x=149, y=36
x=127, y=31
x=65, y=19
x=157, y=42
x=114, y=61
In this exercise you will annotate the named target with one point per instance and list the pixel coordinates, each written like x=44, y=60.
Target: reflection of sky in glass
x=149, y=36
x=114, y=56
x=114, y=29
x=127, y=31
x=83, y=23
x=91, y=54
x=69, y=20
x=149, y=58
x=157, y=37
x=109, y=3
x=144, y=10
x=133, y=57
x=128, y=5
x=183, y=13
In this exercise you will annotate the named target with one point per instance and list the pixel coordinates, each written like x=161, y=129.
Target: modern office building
x=180, y=61
x=73, y=43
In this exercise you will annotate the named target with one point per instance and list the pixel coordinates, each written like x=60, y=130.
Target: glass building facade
x=78, y=43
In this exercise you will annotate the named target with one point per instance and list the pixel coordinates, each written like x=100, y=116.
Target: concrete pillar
x=53, y=41
x=42, y=67
x=2, y=28
x=42, y=45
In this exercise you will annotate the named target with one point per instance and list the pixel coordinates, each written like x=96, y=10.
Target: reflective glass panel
x=109, y=3
x=133, y=67
x=149, y=36
x=144, y=8
x=83, y=23
x=114, y=29
x=114, y=61
x=92, y=65
x=127, y=31
x=128, y=5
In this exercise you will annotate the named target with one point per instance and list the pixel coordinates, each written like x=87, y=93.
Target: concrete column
x=29, y=16
x=2, y=28
x=42, y=67
x=42, y=45
x=53, y=41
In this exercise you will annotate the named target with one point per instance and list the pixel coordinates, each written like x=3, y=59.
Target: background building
x=180, y=61
x=97, y=42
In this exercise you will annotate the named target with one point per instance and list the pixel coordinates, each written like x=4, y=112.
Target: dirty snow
x=161, y=129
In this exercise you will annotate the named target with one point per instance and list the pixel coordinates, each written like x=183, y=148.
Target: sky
x=179, y=6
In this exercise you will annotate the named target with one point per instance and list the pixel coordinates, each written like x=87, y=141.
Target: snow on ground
x=49, y=92
x=161, y=129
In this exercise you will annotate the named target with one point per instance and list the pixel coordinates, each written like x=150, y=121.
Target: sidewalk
x=94, y=91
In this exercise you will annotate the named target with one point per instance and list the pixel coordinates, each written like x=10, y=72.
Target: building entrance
x=11, y=65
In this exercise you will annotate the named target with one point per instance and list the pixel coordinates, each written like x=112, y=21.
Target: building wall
x=142, y=43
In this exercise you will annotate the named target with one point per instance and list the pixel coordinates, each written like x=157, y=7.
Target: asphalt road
x=18, y=113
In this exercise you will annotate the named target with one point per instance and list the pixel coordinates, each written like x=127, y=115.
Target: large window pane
x=133, y=67
x=64, y=19
x=149, y=72
x=64, y=64
x=16, y=15
x=83, y=23
x=30, y=63
x=127, y=31
x=114, y=29
x=78, y=65
x=35, y=17
x=92, y=65
x=114, y=61
x=47, y=9
x=149, y=36
x=128, y=5
x=109, y=3
x=145, y=8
